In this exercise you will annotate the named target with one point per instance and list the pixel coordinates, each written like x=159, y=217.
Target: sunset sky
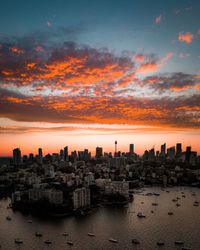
x=87, y=73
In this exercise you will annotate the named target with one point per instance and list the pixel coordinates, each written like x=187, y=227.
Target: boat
x=65, y=234
x=48, y=242
x=38, y=234
x=135, y=241
x=154, y=204
x=178, y=205
x=170, y=213
x=30, y=221
x=112, y=240
x=195, y=204
x=18, y=241
x=70, y=243
x=91, y=234
x=178, y=242
x=160, y=243
x=141, y=215
x=174, y=200
x=185, y=248
x=8, y=218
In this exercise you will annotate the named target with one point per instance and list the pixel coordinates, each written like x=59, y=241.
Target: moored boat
x=112, y=240
x=18, y=241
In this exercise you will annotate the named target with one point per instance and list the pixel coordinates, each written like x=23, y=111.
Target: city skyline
x=96, y=72
x=65, y=152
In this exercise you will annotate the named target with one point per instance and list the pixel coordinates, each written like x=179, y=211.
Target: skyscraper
x=188, y=154
x=66, y=156
x=163, y=149
x=178, y=149
x=131, y=149
x=17, y=156
x=40, y=155
x=99, y=152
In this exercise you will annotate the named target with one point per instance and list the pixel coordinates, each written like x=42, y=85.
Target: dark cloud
x=174, y=81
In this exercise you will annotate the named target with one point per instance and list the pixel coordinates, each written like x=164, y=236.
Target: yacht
x=178, y=205
x=141, y=215
x=38, y=234
x=48, y=242
x=113, y=240
x=70, y=243
x=18, y=241
x=91, y=234
x=154, y=204
x=65, y=234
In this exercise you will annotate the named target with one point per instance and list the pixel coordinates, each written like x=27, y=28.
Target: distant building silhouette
x=99, y=152
x=131, y=148
x=17, y=156
x=66, y=156
x=178, y=149
x=187, y=154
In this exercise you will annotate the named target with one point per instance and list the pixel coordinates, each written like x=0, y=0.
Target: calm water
x=119, y=223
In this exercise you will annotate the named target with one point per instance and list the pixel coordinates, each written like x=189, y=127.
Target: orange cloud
x=186, y=37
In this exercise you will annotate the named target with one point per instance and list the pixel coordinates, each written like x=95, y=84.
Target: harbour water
x=119, y=223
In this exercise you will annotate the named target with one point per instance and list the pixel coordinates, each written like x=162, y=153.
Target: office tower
x=31, y=157
x=178, y=149
x=61, y=154
x=171, y=152
x=17, y=156
x=163, y=150
x=99, y=152
x=131, y=149
x=152, y=154
x=187, y=154
x=40, y=155
x=66, y=157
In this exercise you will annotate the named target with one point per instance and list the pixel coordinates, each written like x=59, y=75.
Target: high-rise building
x=131, y=149
x=163, y=150
x=31, y=157
x=40, y=155
x=17, y=156
x=81, y=198
x=171, y=152
x=66, y=156
x=188, y=154
x=61, y=154
x=178, y=149
x=99, y=152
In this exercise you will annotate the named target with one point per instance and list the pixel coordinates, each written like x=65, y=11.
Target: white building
x=81, y=198
x=114, y=187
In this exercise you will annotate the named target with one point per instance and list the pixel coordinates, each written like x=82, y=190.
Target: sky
x=87, y=73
